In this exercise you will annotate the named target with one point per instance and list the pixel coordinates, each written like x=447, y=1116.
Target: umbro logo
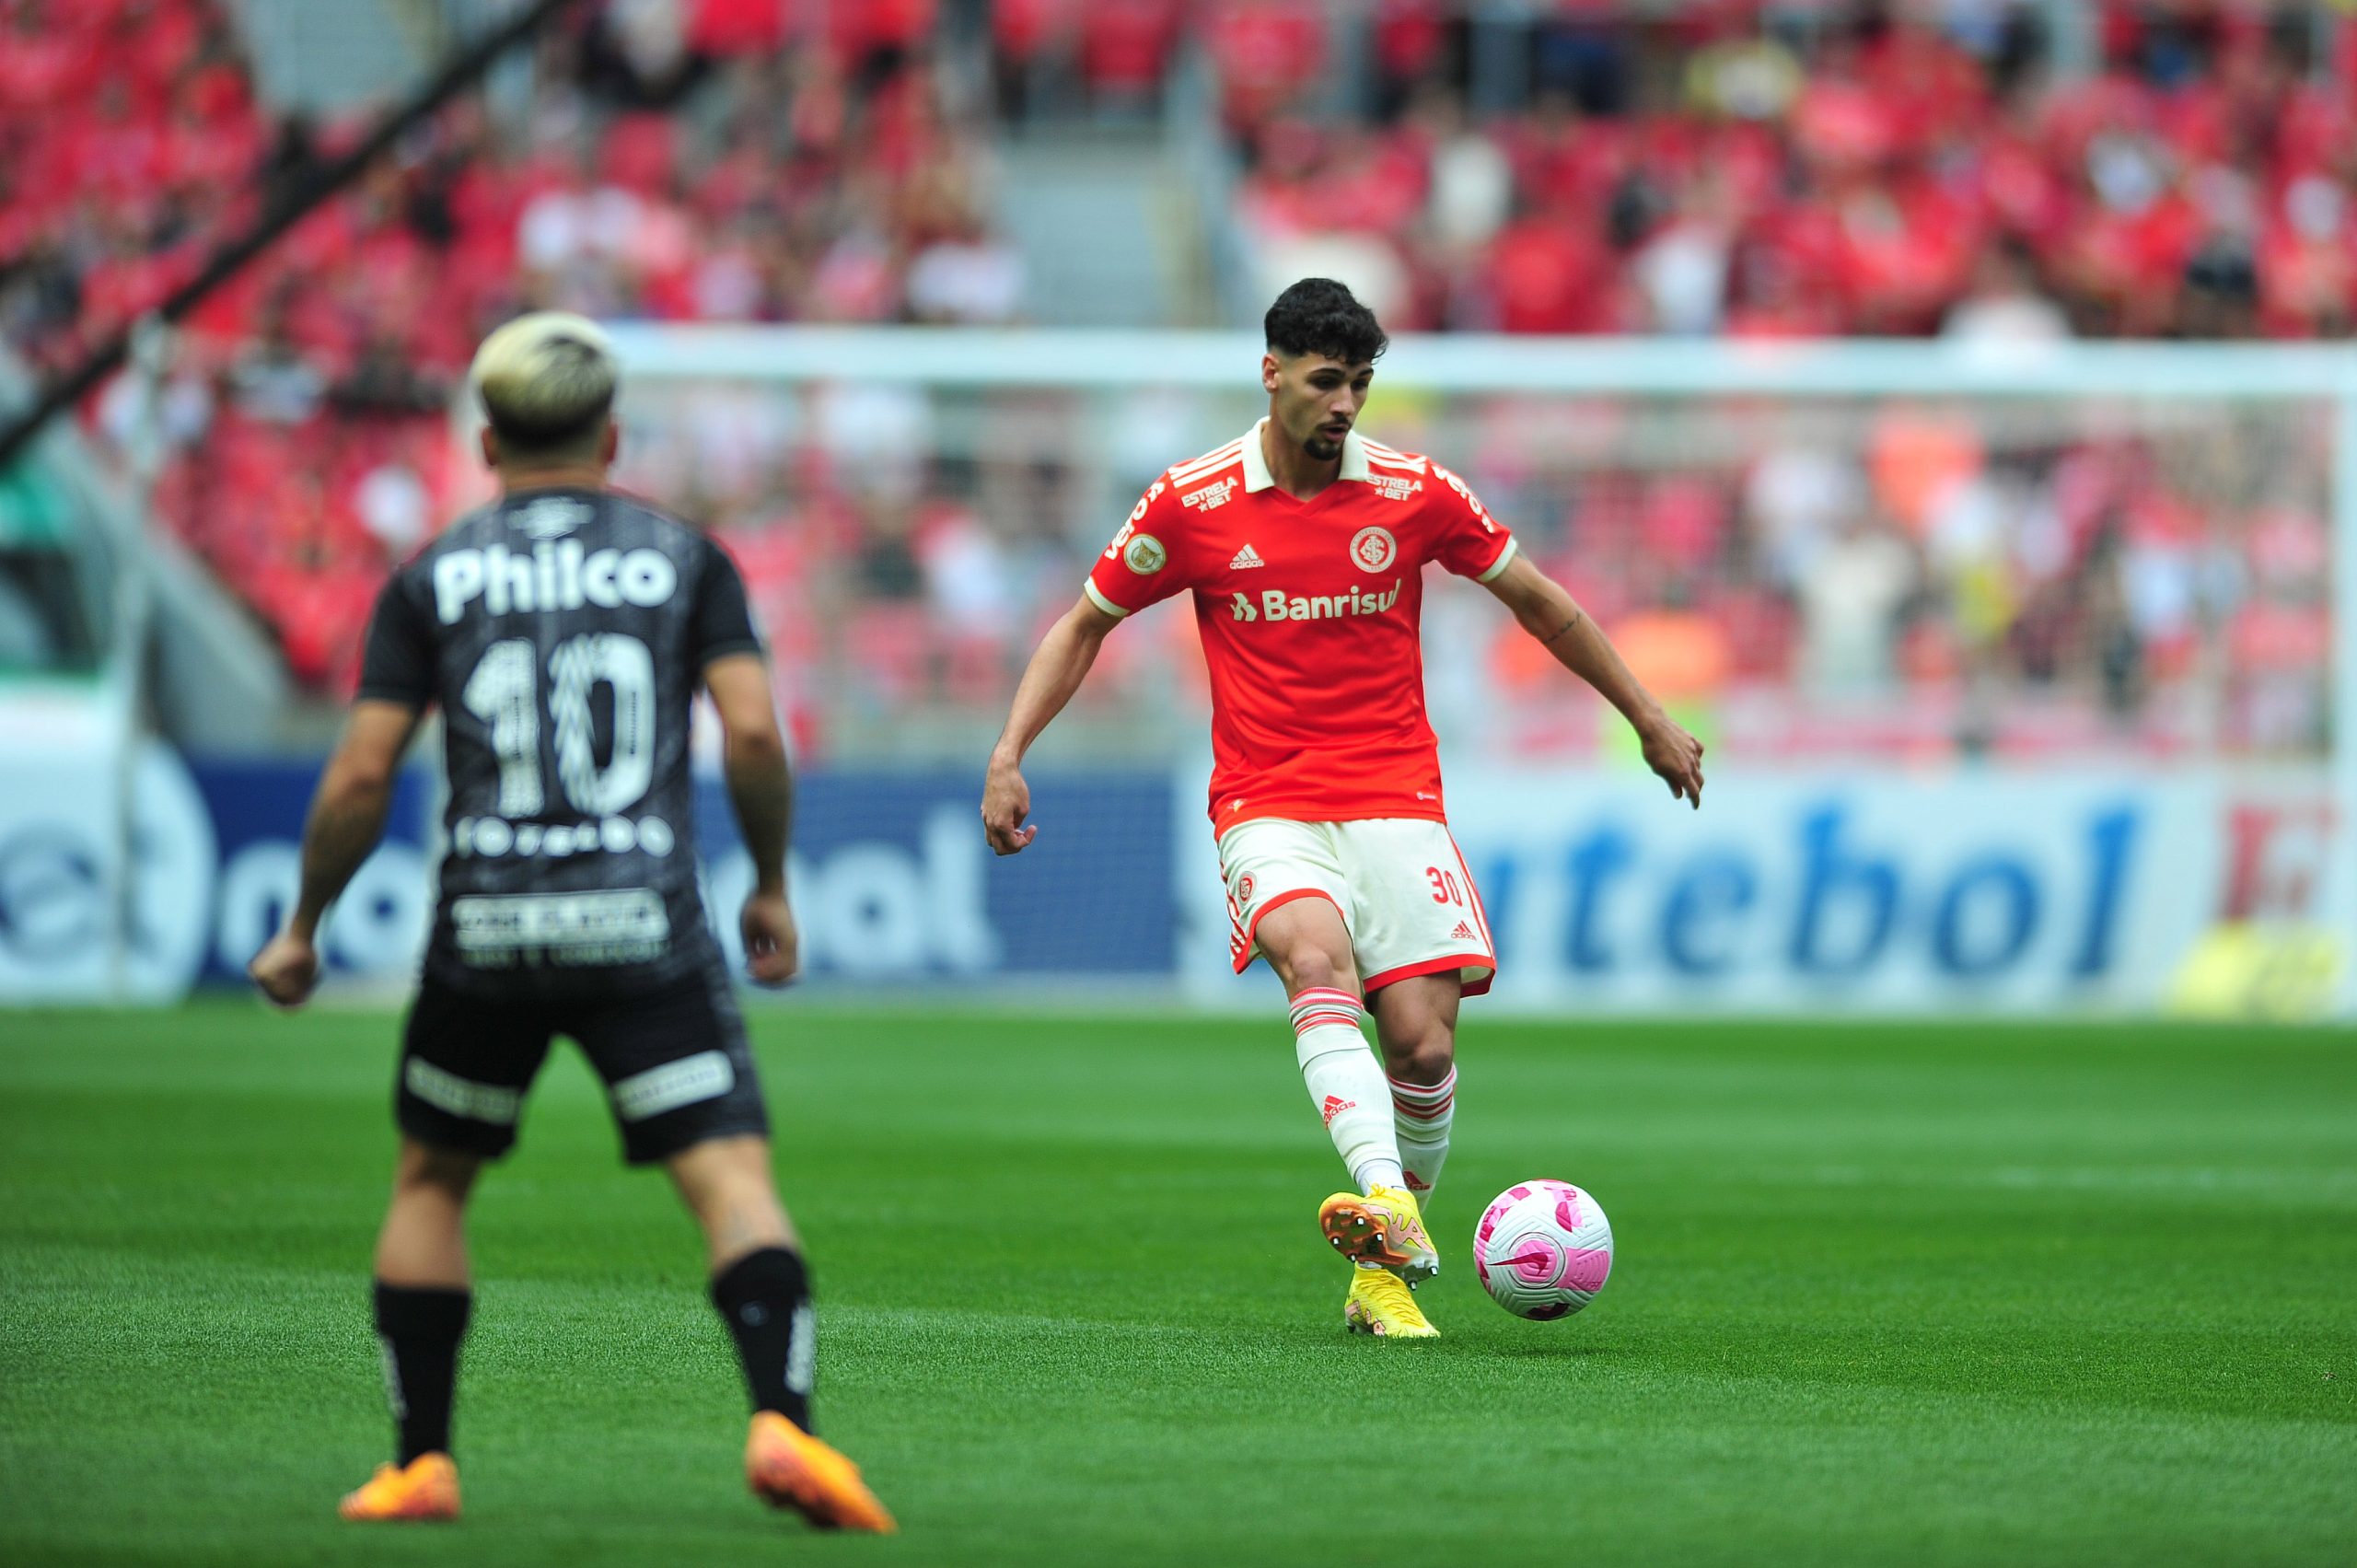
x=1464, y=932
x=1334, y=1107
x=1247, y=556
x=550, y=516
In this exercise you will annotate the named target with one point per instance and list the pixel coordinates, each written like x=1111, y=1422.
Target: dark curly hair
x=1320, y=316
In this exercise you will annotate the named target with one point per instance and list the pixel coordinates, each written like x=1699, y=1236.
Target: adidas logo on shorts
x=1247, y=556
x=1464, y=932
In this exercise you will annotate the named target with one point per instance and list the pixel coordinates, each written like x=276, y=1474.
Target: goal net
x=2025, y=672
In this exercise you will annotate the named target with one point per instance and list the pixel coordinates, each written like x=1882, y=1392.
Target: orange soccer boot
x=1384, y=1227
x=424, y=1489
x=787, y=1468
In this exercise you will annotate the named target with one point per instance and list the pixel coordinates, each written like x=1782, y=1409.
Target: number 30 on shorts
x=1446, y=889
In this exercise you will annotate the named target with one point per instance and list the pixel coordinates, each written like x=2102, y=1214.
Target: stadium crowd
x=1767, y=171
x=652, y=174
x=1719, y=168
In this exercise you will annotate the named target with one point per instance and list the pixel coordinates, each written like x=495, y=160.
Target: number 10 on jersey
x=505, y=694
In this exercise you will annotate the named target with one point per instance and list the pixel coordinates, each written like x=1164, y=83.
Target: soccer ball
x=1543, y=1250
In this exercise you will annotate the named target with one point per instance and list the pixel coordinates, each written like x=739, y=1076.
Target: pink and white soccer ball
x=1543, y=1250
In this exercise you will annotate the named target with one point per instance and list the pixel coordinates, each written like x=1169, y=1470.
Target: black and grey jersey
x=565, y=634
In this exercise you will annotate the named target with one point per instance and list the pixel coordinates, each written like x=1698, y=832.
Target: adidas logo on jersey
x=1464, y=932
x=1247, y=556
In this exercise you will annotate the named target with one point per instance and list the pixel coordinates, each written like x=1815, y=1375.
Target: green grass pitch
x=1952, y=1295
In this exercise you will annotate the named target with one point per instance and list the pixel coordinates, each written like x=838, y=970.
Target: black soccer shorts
x=675, y=1067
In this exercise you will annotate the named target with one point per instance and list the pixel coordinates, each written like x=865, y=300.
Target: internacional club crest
x=1144, y=555
x=1371, y=550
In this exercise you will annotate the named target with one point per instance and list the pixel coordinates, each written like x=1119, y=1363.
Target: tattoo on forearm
x=1551, y=638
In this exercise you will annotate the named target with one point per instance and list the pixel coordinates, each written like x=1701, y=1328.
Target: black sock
x=421, y=1329
x=764, y=1298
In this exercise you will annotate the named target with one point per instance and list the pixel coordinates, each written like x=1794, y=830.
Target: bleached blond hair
x=546, y=382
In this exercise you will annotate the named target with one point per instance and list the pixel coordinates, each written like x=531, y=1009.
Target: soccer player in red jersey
x=1304, y=544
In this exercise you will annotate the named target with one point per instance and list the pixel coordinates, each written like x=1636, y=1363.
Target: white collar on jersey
x=1258, y=478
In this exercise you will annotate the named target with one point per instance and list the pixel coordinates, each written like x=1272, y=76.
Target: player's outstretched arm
x=347, y=818
x=1053, y=675
x=760, y=790
x=1548, y=612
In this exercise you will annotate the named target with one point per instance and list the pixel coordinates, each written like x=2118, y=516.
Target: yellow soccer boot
x=426, y=1488
x=1380, y=1303
x=1384, y=1227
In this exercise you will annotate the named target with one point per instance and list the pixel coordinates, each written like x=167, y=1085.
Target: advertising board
x=1834, y=892
x=1792, y=892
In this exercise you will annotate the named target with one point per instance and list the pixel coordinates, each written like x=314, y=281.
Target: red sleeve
x=1465, y=538
x=1142, y=566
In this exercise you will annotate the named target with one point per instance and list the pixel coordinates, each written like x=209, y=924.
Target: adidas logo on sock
x=1463, y=932
x=1247, y=556
x=1335, y=1105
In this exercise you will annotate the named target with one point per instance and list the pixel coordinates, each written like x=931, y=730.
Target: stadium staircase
x=1106, y=226
x=327, y=56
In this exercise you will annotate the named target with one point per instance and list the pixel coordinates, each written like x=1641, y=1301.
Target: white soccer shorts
x=1401, y=885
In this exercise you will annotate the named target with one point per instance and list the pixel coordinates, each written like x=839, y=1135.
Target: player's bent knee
x=1308, y=945
x=426, y=1166
x=1419, y=1047
x=713, y=1162
x=1307, y=960
x=1426, y=1059
x=1309, y=967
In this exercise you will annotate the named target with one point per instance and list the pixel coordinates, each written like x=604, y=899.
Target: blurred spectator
x=1799, y=497
x=1265, y=51
x=1850, y=603
x=1473, y=182
x=1682, y=269
x=1125, y=48
x=969, y=279
x=395, y=506
x=2005, y=305
x=273, y=380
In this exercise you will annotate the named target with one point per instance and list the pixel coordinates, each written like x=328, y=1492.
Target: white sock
x=1346, y=1085
x=1421, y=1114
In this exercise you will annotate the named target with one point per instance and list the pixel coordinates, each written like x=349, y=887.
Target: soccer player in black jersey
x=564, y=631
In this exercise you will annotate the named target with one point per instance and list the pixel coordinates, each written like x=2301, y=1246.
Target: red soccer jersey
x=1310, y=613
